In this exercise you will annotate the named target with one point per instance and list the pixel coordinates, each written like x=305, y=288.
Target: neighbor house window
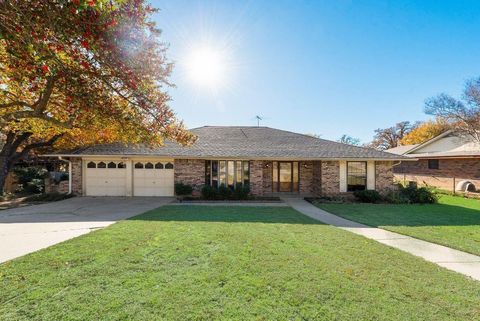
x=356, y=176
x=433, y=164
x=228, y=173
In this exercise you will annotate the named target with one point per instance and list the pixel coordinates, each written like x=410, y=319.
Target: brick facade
x=384, y=178
x=256, y=177
x=447, y=176
x=77, y=180
x=190, y=172
x=330, y=178
x=315, y=177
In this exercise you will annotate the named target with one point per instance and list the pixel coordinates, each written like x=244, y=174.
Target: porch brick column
x=256, y=177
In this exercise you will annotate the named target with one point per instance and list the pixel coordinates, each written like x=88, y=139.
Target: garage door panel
x=105, y=181
x=156, y=181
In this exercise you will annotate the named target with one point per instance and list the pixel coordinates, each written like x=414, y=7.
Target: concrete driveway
x=27, y=229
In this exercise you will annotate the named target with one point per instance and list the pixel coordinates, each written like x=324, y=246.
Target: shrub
x=367, y=196
x=241, y=192
x=396, y=197
x=31, y=180
x=209, y=193
x=183, y=189
x=422, y=195
x=224, y=192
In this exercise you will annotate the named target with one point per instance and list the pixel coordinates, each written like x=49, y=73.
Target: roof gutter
x=403, y=158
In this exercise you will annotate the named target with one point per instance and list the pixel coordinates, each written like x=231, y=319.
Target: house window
x=228, y=173
x=112, y=165
x=158, y=166
x=433, y=164
x=169, y=166
x=356, y=176
x=149, y=165
x=91, y=165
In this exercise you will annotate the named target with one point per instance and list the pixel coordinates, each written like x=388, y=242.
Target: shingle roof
x=400, y=150
x=247, y=143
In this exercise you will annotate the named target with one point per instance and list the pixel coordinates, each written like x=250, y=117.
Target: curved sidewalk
x=458, y=261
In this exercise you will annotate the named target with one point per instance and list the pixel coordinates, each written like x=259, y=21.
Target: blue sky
x=324, y=67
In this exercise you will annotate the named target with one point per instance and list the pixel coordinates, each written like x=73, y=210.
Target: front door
x=285, y=177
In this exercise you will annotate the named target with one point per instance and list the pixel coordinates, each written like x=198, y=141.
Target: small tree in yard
x=463, y=113
x=80, y=72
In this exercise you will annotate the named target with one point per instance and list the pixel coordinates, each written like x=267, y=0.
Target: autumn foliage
x=425, y=131
x=76, y=72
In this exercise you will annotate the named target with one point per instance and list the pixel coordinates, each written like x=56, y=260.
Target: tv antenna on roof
x=258, y=118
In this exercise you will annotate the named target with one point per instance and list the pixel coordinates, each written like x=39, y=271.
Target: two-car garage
x=120, y=177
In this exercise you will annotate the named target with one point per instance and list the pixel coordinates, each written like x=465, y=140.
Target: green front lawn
x=230, y=263
x=453, y=222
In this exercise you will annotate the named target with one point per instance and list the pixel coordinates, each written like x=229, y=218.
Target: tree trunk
x=4, y=169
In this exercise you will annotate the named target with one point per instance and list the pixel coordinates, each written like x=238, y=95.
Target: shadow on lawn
x=378, y=215
x=228, y=214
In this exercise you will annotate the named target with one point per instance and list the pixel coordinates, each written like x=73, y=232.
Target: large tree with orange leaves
x=76, y=71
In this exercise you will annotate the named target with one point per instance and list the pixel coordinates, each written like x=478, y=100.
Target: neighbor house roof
x=447, y=144
x=243, y=142
x=401, y=150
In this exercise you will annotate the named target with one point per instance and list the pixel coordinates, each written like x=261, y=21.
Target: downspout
x=69, y=173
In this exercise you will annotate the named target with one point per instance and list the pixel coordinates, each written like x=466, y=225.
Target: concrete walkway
x=28, y=229
x=458, y=261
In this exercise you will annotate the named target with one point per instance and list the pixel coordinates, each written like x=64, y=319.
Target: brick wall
x=384, y=178
x=256, y=177
x=450, y=172
x=306, y=177
x=77, y=176
x=191, y=172
x=52, y=187
x=267, y=177
x=317, y=178
x=330, y=171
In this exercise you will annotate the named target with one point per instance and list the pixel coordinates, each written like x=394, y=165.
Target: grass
x=453, y=222
x=230, y=263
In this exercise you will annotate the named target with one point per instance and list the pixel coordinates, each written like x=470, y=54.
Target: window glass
x=275, y=176
x=169, y=166
x=238, y=173
x=356, y=176
x=215, y=174
x=121, y=165
x=222, y=172
x=295, y=177
x=112, y=165
x=246, y=173
x=433, y=164
x=91, y=165
x=138, y=165
x=158, y=166
x=101, y=165
x=230, y=173
x=149, y=165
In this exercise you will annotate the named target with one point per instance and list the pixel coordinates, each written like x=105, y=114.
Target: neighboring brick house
x=448, y=161
x=270, y=161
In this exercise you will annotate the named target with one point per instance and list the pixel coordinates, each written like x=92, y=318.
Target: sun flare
x=206, y=67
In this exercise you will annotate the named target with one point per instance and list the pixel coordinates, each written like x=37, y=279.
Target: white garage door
x=153, y=178
x=106, y=178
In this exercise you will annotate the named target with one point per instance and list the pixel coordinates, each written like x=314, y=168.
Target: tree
x=349, y=140
x=71, y=69
x=390, y=137
x=463, y=113
x=425, y=131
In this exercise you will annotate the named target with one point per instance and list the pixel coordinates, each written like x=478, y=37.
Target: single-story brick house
x=448, y=161
x=269, y=160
